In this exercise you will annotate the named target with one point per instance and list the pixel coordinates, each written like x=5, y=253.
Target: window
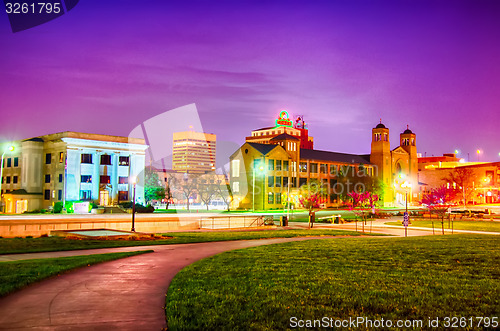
x=285, y=181
x=270, y=165
x=8, y=180
x=122, y=180
x=278, y=165
x=16, y=162
x=302, y=181
x=61, y=157
x=303, y=166
x=86, y=179
x=294, y=182
x=59, y=195
x=86, y=195
x=323, y=168
x=105, y=180
x=278, y=197
x=47, y=179
x=314, y=168
x=334, y=169
x=270, y=198
x=285, y=165
x=123, y=160
x=235, y=168
x=270, y=181
x=385, y=137
x=60, y=178
x=106, y=159
x=9, y=162
x=123, y=195
x=377, y=137
x=46, y=194
x=278, y=181
x=14, y=180
x=236, y=187
x=48, y=158
x=86, y=158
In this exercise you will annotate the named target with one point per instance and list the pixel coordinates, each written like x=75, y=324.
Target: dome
x=407, y=130
x=380, y=126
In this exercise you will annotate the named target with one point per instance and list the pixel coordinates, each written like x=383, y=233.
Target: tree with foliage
x=439, y=201
x=310, y=198
x=464, y=179
x=361, y=204
x=154, y=189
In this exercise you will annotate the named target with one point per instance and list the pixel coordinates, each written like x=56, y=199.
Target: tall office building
x=193, y=152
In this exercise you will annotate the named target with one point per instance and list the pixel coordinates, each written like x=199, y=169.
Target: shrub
x=58, y=206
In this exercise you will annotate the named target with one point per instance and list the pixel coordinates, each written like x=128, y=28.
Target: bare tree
x=184, y=185
x=223, y=189
x=464, y=179
x=207, y=188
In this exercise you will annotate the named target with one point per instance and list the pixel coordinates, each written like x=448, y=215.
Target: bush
x=58, y=206
x=126, y=204
x=143, y=210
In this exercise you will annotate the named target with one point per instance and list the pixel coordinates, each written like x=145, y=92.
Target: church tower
x=380, y=156
x=409, y=144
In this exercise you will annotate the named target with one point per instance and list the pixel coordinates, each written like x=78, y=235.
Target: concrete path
x=126, y=294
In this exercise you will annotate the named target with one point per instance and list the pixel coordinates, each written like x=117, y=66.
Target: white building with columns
x=72, y=166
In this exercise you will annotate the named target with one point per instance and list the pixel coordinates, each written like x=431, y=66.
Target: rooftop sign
x=284, y=119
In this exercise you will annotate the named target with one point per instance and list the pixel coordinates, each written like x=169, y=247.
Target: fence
x=231, y=222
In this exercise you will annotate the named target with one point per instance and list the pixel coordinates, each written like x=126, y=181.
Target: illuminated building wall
x=73, y=166
x=193, y=152
x=281, y=145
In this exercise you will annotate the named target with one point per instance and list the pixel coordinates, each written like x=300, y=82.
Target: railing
x=231, y=222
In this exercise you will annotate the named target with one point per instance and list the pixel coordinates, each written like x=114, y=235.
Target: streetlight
x=8, y=149
x=478, y=152
x=406, y=186
x=134, y=181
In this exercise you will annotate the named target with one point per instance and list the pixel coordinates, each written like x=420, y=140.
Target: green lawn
x=398, y=278
x=487, y=226
x=16, y=275
x=47, y=244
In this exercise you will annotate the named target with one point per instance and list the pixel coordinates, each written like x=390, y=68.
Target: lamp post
x=8, y=149
x=406, y=186
x=134, y=181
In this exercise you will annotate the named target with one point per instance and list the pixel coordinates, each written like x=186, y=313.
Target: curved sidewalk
x=126, y=294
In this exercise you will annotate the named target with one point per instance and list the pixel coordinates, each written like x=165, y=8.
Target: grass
x=487, y=226
x=48, y=244
x=19, y=274
x=398, y=278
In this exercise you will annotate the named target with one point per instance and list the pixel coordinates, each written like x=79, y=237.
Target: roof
x=263, y=148
x=284, y=136
x=380, y=126
x=268, y=128
x=34, y=139
x=312, y=154
x=91, y=136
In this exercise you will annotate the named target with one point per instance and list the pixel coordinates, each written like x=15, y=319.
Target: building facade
x=272, y=165
x=72, y=166
x=193, y=152
x=479, y=182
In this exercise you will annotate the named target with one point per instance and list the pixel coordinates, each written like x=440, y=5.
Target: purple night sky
x=107, y=66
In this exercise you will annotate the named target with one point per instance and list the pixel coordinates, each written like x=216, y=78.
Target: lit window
x=235, y=168
x=86, y=179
